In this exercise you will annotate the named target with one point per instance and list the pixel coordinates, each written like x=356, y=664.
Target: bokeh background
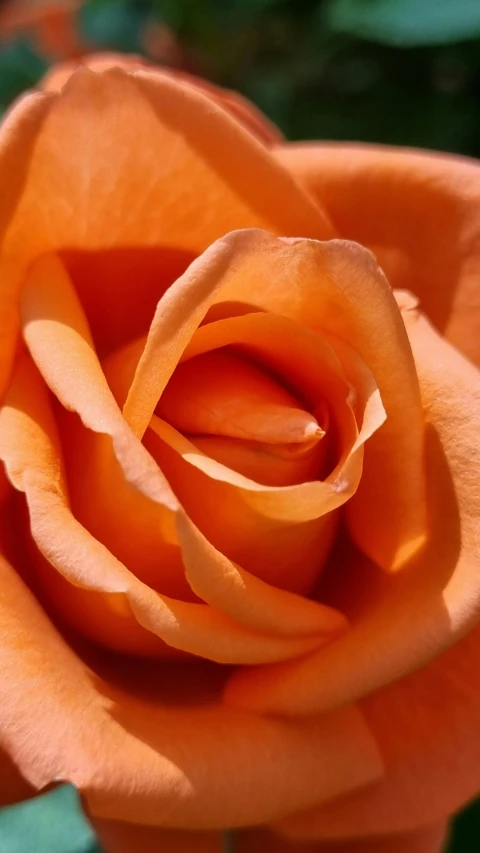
x=403, y=72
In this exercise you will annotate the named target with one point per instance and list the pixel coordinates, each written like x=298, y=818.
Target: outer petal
x=428, y=840
x=59, y=74
x=139, y=752
x=399, y=623
x=239, y=107
x=427, y=730
x=419, y=213
x=184, y=174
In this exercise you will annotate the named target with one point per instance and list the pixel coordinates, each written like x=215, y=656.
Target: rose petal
x=419, y=213
x=250, y=535
x=117, y=490
x=59, y=74
x=136, y=756
x=426, y=726
x=29, y=447
x=172, y=183
x=399, y=623
x=277, y=465
x=57, y=334
x=58, y=337
x=238, y=106
x=428, y=840
x=222, y=394
x=334, y=286
x=298, y=504
x=249, y=522
x=133, y=527
x=309, y=364
x=353, y=302
x=246, y=598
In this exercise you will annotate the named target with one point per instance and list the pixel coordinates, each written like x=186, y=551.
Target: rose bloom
x=240, y=417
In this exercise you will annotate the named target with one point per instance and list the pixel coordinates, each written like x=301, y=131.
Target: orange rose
x=240, y=583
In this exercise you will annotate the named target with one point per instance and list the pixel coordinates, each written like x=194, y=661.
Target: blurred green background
x=395, y=71
x=403, y=72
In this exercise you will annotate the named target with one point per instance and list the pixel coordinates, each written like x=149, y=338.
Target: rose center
x=238, y=413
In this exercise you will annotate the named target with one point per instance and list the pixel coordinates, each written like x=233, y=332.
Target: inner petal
x=219, y=393
x=240, y=414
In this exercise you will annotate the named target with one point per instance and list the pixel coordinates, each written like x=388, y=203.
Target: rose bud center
x=240, y=414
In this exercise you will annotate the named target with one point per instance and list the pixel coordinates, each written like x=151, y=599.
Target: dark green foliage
x=20, y=68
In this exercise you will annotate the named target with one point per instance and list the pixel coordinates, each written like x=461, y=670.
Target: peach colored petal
x=117, y=311
x=426, y=840
x=57, y=334
x=239, y=107
x=29, y=448
x=334, y=286
x=18, y=133
x=132, y=526
x=309, y=365
x=214, y=277
x=418, y=211
x=172, y=183
x=252, y=524
x=338, y=287
x=270, y=465
x=427, y=730
x=104, y=459
x=59, y=74
x=249, y=522
x=311, y=500
x=246, y=598
x=238, y=526
x=222, y=394
x=137, y=756
x=399, y=623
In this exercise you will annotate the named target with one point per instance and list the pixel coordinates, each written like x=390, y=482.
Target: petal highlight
x=416, y=210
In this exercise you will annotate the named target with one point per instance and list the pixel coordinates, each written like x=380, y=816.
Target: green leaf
x=406, y=23
x=50, y=823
